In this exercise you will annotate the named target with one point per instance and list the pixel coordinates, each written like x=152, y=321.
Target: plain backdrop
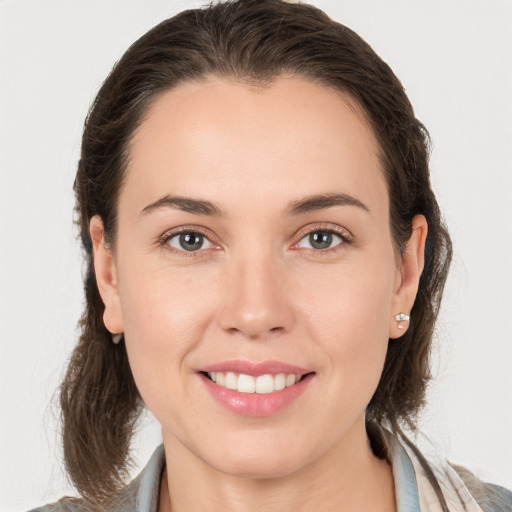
x=454, y=58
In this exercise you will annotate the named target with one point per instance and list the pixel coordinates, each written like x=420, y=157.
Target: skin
x=257, y=291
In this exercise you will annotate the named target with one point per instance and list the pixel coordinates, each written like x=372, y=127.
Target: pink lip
x=254, y=404
x=255, y=369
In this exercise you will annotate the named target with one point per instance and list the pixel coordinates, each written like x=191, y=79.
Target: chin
x=258, y=464
x=250, y=470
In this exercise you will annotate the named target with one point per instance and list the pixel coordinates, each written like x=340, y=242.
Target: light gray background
x=454, y=58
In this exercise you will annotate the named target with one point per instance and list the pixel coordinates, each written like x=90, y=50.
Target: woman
x=265, y=261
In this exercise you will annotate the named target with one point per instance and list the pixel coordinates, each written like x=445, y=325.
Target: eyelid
x=342, y=232
x=167, y=235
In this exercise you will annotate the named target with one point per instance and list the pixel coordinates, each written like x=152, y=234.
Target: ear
x=411, y=267
x=106, y=277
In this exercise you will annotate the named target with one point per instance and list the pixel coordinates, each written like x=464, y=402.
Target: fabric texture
x=414, y=490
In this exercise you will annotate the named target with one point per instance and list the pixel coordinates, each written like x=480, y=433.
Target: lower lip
x=255, y=404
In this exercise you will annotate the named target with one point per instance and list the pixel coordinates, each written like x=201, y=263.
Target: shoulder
x=491, y=497
x=430, y=481
x=140, y=495
x=124, y=501
x=63, y=505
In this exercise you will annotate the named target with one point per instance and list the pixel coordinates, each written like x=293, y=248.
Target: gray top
x=413, y=488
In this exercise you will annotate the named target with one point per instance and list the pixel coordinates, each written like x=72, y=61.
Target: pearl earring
x=116, y=338
x=401, y=317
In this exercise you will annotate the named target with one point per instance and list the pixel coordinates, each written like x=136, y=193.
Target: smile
x=256, y=389
x=261, y=384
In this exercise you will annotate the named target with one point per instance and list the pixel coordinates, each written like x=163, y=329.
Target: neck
x=348, y=477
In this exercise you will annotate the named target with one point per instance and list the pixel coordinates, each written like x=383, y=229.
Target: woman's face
x=253, y=239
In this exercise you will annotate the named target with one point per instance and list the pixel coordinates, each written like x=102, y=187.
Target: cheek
x=347, y=315
x=164, y=316
x=160, y=304
x=352, y=300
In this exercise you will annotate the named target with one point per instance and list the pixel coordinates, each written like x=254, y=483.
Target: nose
x=258, y=301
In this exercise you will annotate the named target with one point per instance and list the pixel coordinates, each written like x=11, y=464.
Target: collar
x=413, y=490
x=413, y=485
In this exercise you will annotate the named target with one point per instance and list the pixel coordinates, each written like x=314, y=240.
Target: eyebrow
x=305, y=205
x=323, y=201
x=186, y=204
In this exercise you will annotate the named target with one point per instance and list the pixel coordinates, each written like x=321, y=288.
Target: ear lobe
x=411, y=267
x=106, y=276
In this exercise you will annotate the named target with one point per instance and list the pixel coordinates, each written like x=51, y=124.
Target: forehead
x=219, y=137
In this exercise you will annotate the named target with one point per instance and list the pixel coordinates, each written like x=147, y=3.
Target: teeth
x=246, y=384
x=280, y=381
x=263, y=384
x=231, y=381
x=220, y=379
x=290, y=379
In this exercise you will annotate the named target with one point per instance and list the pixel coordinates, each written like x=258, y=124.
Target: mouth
x=257, y=390
x=261, y=384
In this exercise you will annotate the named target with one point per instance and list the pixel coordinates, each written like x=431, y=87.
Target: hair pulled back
x=253, y=41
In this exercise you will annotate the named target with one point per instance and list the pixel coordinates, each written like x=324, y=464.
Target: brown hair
x=252, y=41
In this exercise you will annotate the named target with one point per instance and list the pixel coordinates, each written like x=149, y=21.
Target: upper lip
x=255, y=369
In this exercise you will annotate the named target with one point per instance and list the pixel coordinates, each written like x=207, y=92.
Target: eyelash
x=344, y=234
x=168, y=235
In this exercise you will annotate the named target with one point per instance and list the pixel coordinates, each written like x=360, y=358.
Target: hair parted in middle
x=254, y=42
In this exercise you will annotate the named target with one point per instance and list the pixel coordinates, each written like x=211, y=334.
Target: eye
x=189, y=241
x=320, y=240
